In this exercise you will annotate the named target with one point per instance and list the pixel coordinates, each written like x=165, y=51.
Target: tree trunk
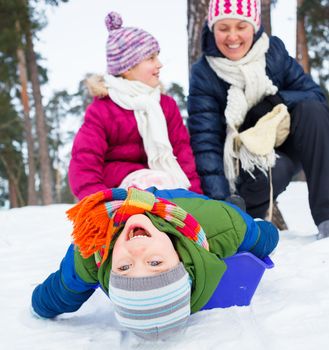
x=31, y=193
x=301, y=40
x=197, y=11
x=45, y=168
x=266, y=16
x=15, y=196
x=13, y=200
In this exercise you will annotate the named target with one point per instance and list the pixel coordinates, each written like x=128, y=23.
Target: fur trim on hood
x=96, y=86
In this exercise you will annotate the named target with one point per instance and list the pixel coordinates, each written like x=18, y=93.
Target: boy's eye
x=124, y=267
x=155, y=262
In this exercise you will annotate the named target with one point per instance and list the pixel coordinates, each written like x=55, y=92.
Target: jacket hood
x=204, y=267
x=208, y=43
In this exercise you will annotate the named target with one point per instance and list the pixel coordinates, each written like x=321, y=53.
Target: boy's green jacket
x=225, y=229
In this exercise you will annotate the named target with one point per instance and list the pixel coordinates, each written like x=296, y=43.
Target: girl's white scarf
x=249, y=85
x=151, y=122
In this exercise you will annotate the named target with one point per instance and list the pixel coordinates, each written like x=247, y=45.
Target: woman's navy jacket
x=207, y=103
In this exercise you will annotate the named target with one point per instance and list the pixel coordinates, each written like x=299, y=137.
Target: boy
x=156, y=261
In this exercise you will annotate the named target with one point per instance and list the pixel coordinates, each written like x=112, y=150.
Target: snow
x=290, y=309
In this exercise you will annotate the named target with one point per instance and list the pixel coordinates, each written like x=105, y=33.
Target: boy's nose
x=137, y=248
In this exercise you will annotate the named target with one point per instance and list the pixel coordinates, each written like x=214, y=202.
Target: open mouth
x=137, y=232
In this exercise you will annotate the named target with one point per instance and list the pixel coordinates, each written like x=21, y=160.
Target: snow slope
x=290, y=309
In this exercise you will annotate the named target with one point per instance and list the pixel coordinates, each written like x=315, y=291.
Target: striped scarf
x=98, y=217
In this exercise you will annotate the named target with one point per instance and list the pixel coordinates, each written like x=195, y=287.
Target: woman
x=242, y=75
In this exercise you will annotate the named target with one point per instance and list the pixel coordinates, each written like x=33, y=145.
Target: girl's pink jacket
x=108, y=147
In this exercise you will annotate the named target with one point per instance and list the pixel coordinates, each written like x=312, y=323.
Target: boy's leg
x=267, y=240
x=260, y=239
x=63, y=291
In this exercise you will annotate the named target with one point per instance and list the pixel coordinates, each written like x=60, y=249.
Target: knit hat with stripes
x=152, y=307
x=246, y=10
x=126, y=46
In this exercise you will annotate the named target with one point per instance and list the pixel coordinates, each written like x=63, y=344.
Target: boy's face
x=147, y=71
x=142, y=250
x=233, y=38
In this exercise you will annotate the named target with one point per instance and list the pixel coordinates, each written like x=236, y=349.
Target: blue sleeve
x=294, y=84
x=63, y=291
x=261, y=236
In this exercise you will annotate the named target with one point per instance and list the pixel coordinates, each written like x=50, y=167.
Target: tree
x=64, y=108
x=196, y=15
x=177, y=92
x=11, y=160
x=20, y=21
x=22, y=69
x=266, y=15
x=41, y=126
x=301, y=39
x=12, y=167
x=316, y=19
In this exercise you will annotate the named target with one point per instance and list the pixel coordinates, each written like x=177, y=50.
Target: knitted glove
x=236, y=200
x=258, y=111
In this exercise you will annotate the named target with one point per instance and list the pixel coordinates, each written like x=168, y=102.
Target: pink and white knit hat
x=246, y=10
x=126, y=46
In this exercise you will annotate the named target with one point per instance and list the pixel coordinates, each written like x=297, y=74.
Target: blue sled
x=240, y=281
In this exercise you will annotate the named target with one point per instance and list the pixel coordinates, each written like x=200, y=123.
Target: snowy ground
x=290, y=309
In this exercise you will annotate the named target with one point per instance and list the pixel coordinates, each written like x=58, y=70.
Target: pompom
x=113, y=21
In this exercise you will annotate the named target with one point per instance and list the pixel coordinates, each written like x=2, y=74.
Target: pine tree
x=316, y=15
x=11, y=159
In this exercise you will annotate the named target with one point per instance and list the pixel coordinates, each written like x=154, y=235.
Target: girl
x=131, y=129
x=241, y=77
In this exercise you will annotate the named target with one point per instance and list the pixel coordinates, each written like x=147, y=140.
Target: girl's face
x=233, y=37
x=147, y=71
x=142, y=250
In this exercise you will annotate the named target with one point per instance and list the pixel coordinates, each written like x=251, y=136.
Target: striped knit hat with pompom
x=126, y=46
x=246, y=10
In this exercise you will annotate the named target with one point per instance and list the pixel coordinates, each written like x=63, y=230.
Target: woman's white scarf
x=151, y=122
x=249, y=85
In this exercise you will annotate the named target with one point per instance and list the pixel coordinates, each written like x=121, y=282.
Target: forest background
x=34, y=135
